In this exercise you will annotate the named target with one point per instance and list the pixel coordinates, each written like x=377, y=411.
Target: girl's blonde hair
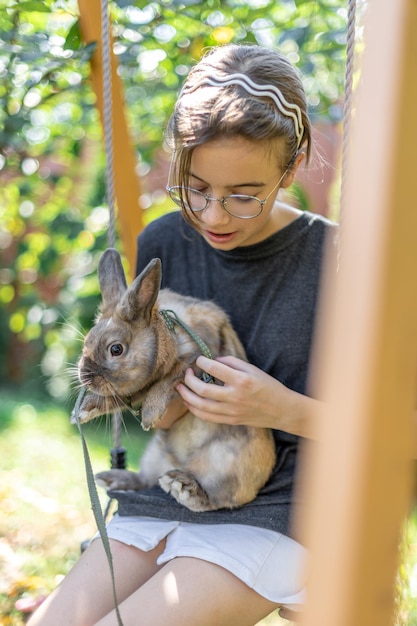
x=204, y=112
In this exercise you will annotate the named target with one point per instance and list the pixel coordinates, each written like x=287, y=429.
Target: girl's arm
x=249, y=396
x=175, y=410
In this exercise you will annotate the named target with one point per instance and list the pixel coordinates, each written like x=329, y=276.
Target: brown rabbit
x=132, y=355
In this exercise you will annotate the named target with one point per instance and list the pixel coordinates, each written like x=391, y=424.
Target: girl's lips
x=219, y=237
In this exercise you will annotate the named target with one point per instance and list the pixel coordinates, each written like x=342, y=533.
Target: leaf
x=73, y=40
x=34, y=6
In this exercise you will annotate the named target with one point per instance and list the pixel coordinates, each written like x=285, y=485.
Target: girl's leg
x=85, y=595
x=188, y=591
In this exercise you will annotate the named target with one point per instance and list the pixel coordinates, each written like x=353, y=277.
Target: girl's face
x=236, y=166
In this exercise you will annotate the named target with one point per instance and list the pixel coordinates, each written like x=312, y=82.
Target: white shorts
x=268, y=562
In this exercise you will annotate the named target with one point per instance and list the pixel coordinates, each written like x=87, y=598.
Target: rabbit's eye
x=116, y=349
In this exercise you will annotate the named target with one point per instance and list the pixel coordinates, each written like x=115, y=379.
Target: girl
x=239, y=132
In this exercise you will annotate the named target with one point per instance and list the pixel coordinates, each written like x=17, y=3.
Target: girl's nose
x=214, y=214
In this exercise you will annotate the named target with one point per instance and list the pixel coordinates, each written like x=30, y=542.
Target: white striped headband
x=271, y=91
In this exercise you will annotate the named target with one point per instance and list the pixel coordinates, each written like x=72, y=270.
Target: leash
x=95, y=502
x=171, y=319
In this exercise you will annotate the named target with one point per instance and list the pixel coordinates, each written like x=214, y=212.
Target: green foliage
x=406, y=583
x=42, y=66
x=53, y=217
x=159, y=42
x=48, y=165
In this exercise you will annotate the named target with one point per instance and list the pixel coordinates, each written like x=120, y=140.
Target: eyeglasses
x=237, y=204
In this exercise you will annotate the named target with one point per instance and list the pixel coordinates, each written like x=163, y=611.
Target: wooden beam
x=126, y=181
x=359, y=474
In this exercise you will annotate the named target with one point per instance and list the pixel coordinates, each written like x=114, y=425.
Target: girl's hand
x=248, y=396
x=243, y=399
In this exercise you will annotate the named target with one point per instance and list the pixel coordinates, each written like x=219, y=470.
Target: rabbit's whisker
x=80, y=333
x=123, y=404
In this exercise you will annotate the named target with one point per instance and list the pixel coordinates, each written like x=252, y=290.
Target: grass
x=46, y=512
x=407, y=575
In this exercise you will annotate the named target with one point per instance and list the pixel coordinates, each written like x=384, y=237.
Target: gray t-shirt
x=269, y=291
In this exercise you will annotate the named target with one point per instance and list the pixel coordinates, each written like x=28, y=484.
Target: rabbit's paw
x=148, y=423
x=119, y=479
x=155, y=404
x=150, y=418
x=186, y=490
x=93, y=406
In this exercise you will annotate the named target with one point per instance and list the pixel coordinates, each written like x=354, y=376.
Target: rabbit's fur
x=130, y=355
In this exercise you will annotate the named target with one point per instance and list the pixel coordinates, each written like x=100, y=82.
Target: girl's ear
x=290, y=175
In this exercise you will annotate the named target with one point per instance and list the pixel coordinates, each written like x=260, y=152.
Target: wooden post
x=126, y=181
x=359, y=476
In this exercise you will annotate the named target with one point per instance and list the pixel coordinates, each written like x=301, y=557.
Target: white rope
x=108, y=118
x=111, y=236
x=347, y=118
x=108, y=145
x=347, y=106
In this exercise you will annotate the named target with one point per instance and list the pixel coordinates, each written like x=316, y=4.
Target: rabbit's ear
x=111, y=277
x=142, y=293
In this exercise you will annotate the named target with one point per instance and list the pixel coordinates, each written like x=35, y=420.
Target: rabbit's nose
x=86, y=370
x=86, y=378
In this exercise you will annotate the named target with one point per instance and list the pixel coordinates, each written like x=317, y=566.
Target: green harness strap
x=170, y=318
x=95, y=502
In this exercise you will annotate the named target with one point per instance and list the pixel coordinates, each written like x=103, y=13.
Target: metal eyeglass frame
x=180, y=202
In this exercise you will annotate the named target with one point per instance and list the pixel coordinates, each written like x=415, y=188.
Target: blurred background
x=53, y=217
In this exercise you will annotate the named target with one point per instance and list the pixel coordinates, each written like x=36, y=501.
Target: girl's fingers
x=223, y=368
x=201, y=407
x=202, y=389
x=235, y=363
